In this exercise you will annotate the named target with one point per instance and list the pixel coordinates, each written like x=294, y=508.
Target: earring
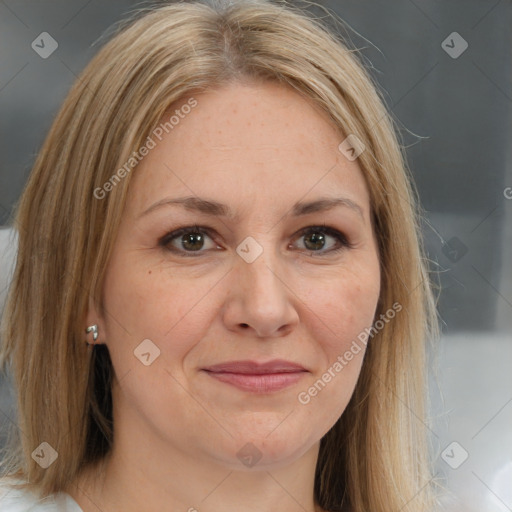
x=94, y=330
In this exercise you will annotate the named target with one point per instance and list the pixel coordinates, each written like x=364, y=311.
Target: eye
x=192, y=239
x=185, y=240
x=316, y=238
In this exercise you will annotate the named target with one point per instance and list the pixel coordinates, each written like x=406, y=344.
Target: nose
x=261, y=300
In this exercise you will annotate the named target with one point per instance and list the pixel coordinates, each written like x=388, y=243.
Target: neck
x=131, y=479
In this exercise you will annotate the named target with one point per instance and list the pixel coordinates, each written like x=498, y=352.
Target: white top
x=18, y=500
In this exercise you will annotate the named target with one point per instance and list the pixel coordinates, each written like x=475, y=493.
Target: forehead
x=246, y=140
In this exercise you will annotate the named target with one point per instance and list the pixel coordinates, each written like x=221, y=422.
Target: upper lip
x=255, y=367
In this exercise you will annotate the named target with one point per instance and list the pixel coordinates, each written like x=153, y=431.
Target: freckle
x=149, y=271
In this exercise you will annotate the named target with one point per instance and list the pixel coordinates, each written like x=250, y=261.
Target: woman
x=222, y=211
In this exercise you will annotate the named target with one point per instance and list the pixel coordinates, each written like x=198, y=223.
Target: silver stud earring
x=94, y=330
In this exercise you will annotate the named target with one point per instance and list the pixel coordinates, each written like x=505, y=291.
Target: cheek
x=147, y=303
x=339, y=314
x=168, y=311
x=342, y=309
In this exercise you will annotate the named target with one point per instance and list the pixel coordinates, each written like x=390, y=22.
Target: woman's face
x=193, y=317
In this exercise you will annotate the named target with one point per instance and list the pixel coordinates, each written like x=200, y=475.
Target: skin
x=258, y=148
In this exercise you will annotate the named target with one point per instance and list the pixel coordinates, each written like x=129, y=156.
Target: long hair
x=376, y=456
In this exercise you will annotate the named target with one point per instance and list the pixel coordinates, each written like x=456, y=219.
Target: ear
x=93, y=317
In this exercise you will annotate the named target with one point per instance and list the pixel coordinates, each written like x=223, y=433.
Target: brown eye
x=195, y=240
x=316, y=239
x=191, y=239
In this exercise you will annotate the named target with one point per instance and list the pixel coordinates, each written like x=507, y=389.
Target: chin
x=263, y=449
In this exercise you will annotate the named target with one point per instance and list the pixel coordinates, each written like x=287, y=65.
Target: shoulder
x=14, y=499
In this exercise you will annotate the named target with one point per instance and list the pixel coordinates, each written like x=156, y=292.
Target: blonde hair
x=376, y=456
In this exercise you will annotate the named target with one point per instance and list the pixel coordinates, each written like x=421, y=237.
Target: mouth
x=257, y=377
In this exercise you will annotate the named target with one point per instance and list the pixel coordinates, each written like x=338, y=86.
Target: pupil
x=188, y=241
x=318, y=241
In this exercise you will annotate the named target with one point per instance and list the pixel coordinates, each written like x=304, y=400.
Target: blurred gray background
x=445, y=69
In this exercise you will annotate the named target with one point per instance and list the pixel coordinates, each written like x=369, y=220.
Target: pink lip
x=255, y=368
x=257, y=377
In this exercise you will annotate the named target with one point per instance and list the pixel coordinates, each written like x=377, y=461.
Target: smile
x=258, y=383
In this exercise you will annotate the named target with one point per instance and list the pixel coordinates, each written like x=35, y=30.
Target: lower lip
x=260, y=383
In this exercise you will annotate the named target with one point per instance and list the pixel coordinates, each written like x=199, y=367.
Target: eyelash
x=165, y=241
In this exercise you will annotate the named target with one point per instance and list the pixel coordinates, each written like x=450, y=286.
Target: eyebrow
x=213, y=208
